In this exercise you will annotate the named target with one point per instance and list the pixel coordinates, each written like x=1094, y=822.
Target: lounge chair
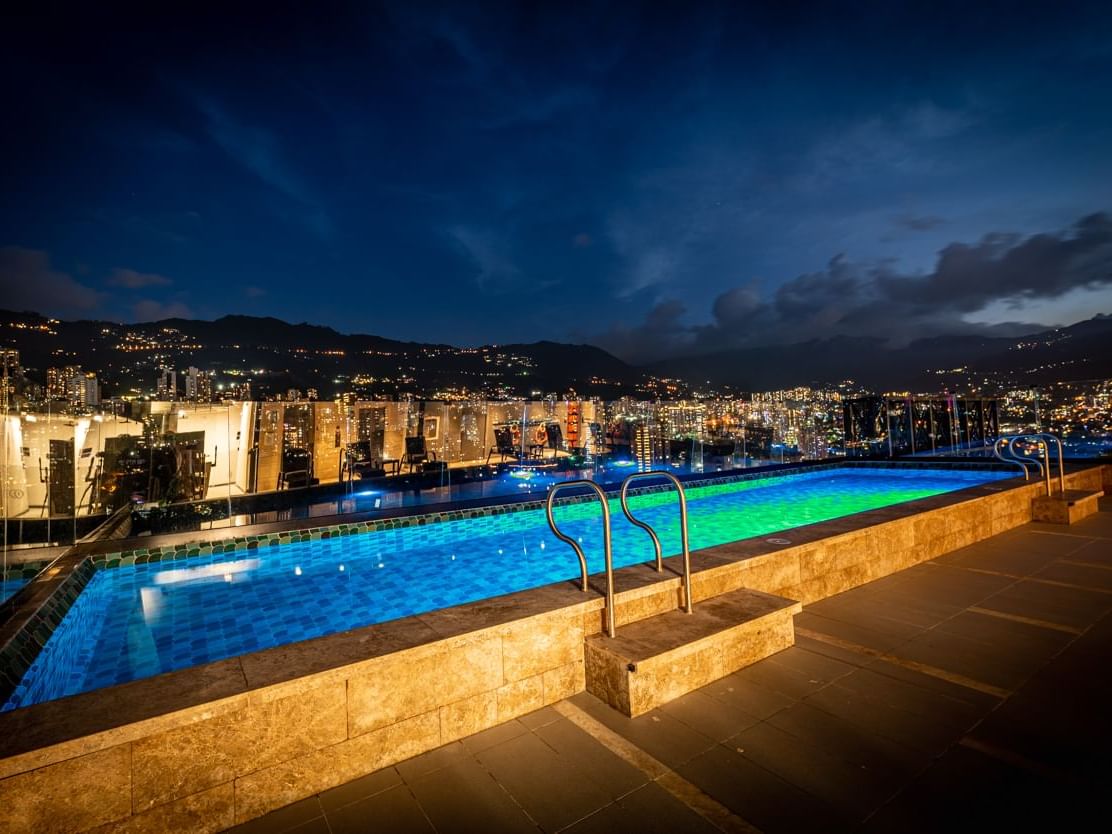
x=503, y=444
x=297, y=470
x=416, y=453
x=357, y=462
x=554, y=436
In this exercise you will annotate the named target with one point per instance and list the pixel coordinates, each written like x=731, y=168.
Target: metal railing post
x=1061, y=464
x=687, y=601
x=607, y=554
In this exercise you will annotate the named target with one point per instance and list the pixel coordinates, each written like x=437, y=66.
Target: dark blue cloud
x=506, y=172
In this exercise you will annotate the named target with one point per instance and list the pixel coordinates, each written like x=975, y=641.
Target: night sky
x=656, y=178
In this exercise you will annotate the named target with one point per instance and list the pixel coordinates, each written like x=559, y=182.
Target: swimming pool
x=137, y=621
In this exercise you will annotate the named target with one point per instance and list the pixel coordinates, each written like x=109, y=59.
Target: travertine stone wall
x=275, y=745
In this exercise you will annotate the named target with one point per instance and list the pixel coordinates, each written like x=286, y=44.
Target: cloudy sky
x=655, y=178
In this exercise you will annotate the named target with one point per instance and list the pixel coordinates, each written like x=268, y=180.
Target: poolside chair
x=416, y=452
x=297, y=470
x=554, y=436
x=357, y=462
x=503, y=444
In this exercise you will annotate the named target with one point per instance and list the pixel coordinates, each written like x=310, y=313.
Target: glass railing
x=179, y=466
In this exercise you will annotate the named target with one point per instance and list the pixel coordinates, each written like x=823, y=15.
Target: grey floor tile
x=847, y=656
x=920, y=732
x=812, y=664
x=759, y=796
x=983, y=701
x=463, y=796
x=298, y=813
x=1001, y=558
x=945, y=585
x=444, y=756
x=965, y=790
x=969, y=658
x=360, y=788
x=711, y=718
x=551, y=788
x=1007, y=636
x=855, y=791
x=612, y=774
x=545, y=715
x=1084, y=576
x=1098, y=552
x=889, y=761
x=1098, y=526
x=795, y=684
x=1066, y=606
x=736, y=692
x=657, y=733
x=394, y=810
x=1050, y=539
x=649, y=809
x=855, y=631
x=495, y=735
x=875, y=612
x=894, y=693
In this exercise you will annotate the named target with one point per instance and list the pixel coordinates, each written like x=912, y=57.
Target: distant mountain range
x=1080, y=351
x=275, y=355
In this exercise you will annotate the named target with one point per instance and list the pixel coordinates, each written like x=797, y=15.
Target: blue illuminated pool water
x=137, y=621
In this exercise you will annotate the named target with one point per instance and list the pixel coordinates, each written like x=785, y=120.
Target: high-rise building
x=198, y=385
x=9, y=373
x=82, y=389
x=167, y=384
x=58, y=381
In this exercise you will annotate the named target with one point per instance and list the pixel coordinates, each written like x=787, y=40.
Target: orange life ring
x=541, y=435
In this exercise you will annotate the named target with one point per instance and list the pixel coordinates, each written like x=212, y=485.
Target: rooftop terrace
x=967, y=691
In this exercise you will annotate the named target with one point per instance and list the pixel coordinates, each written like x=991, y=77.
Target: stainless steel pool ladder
x=579, y=550
x=1005, y=450
x=687, y=602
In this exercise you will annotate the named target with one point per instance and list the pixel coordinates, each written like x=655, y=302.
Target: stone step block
x=1067, y=507
x=653, y=661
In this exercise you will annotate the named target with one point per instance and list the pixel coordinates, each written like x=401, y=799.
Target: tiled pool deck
x=966, y=692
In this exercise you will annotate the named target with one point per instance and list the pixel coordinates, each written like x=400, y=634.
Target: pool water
x=137, y=621
x=8, y=587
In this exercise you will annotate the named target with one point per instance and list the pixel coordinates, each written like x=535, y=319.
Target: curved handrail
x=1044, y=471
x=1003, y=442
x=687, y=602
x=608, y=555
x=1043, y=440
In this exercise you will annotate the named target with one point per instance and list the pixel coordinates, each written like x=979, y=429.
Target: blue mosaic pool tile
x=169, y=609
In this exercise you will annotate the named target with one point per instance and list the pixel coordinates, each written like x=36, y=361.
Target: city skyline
x=655, y=184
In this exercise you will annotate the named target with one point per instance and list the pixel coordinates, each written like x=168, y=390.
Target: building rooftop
x=968, y=691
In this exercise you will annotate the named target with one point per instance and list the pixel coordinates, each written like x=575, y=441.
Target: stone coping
x=41, y=734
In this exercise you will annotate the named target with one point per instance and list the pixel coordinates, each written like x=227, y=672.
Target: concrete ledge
x=656, y=660
x=1067, y=507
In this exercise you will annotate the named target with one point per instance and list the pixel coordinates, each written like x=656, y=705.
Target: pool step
x=653, y=661
x=1066, y=508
